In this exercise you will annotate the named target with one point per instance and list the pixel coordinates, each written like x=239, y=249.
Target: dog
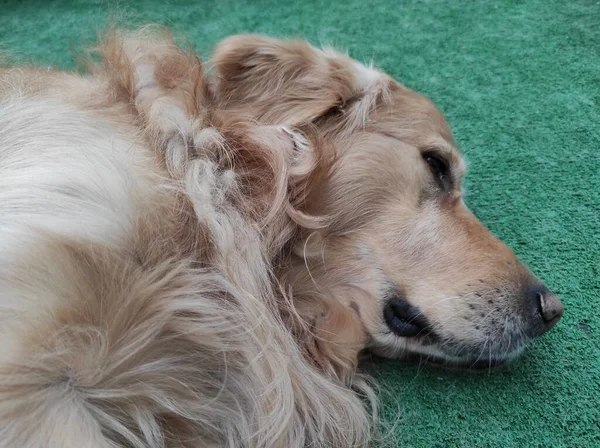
x=193, y=259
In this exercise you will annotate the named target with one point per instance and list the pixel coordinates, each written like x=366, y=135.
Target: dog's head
x=403, y=265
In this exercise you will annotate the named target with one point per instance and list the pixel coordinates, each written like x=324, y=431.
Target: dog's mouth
x=428, y=350
x=413, y=336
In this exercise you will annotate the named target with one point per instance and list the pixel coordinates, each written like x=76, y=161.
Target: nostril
x=549, y=307
x=552, y=308
x=539, y=300
x=404, y=319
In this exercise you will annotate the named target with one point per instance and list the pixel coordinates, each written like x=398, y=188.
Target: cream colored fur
x=119, y=328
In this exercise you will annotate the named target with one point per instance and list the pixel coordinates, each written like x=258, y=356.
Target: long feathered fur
x=140, y=230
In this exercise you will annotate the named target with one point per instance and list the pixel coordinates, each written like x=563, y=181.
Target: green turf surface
x=520, y=84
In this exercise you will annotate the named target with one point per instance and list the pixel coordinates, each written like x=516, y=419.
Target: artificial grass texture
x=519, y=82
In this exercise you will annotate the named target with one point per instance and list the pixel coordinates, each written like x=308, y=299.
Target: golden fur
x=192, y=260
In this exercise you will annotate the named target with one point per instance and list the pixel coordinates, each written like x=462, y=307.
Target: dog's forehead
x=415, y=119
x=421, y=111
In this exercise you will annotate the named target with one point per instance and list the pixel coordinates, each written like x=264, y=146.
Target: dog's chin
x=443, y=360
x=430, y=353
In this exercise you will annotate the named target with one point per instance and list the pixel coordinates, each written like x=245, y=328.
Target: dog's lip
x=405, y=320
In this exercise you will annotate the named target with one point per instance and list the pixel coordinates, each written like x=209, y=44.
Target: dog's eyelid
x=436, y=151
x=438, y=162
x=439, y=157
x=436, y=155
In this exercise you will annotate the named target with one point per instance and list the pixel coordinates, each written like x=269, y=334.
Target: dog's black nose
x=548, y=308
x=404, y=319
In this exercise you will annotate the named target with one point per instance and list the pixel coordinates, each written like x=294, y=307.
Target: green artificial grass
x=519, y=82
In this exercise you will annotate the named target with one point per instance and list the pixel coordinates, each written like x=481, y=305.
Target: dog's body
x=190, y=263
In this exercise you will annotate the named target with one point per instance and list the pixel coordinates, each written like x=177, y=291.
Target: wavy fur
x=138, y=296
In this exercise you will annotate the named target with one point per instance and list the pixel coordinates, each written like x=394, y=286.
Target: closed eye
x=439, y=169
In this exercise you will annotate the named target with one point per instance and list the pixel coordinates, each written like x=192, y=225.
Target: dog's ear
x=292, y=82
x=331, y=335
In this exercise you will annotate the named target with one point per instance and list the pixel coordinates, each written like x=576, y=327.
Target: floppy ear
x=292, y=82
x=330, y=333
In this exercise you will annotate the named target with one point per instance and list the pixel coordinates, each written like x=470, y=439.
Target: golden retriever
x=197, y=260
